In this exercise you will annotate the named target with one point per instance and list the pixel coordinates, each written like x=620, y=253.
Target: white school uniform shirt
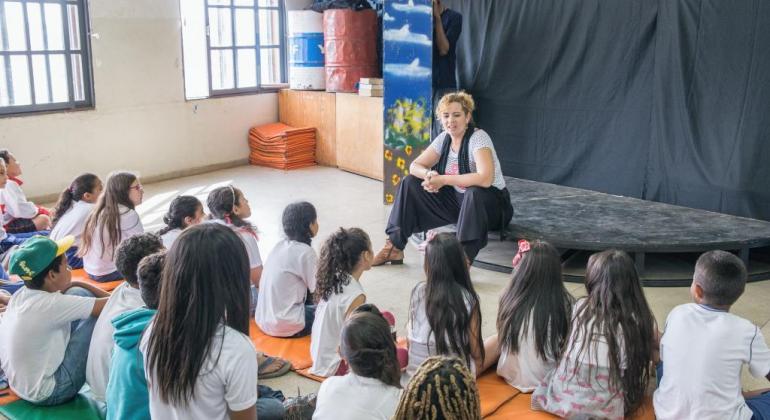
x=249, y=240
x=479, y=140
x=16, y=204
x=169, y=237
x=34, y=334
x=422, y=342
x=703, y=350
x=72, y=222
x=353, y=397
x=99, y=263
x=289, y=273
x=524, y=370
x=228, y=379
x=124, y=298
x=327, y=327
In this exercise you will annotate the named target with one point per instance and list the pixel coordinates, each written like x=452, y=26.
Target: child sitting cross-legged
x=704, y=348
x=47, y=326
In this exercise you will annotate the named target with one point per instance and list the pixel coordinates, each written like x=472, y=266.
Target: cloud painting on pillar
x=407, y=52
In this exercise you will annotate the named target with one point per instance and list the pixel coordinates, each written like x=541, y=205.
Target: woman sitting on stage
x=457, y=179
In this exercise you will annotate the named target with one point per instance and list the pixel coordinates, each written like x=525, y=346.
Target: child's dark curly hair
x=132, y=250
x=339, y=255
x=297, y=218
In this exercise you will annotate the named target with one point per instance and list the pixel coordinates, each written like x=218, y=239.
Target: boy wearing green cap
x=47, y=326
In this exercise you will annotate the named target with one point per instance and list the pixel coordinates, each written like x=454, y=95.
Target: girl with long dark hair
x=71, y=211
x=200, y=362
x=533, y=318
x=183, y=211
x=444, y=310
x=112, y=220
x=606, y=366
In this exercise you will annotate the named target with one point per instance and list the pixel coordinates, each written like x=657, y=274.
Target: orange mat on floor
x=280, y=146
x=519, y=408
x=80, y=275
x=7, y=399
x=295, y=350
x=494, y=392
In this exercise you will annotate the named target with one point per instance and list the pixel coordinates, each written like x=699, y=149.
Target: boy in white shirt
x=20, y=215
x=704, y=347
x=125, y=297
x=47, y=326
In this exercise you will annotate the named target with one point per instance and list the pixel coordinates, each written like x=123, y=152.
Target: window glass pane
x=247, y=68
x=4, y=99
x=270, y=66
x=20, y=80
x=268, y=3
x=35, y=26
x=221, y=69
x=220, y=2
x=54, y=27
x=243, y=2
x=220, y=27
x=59, y=78
x=245, y=33
x=2, y=44
x=14, y=19
x=40, y=76
x=74, y=26
x=268, y=27
x=78, y=84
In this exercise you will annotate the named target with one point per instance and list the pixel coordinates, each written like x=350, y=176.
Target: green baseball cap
x=37, y=253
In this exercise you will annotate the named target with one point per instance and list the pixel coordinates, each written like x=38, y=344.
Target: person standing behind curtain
x=447, y=25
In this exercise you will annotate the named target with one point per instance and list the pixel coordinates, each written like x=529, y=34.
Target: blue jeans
x=309, y=318
x=19, y=238
x=269, y=403
x=71, y=374
x=115, y=275
x=253, y=296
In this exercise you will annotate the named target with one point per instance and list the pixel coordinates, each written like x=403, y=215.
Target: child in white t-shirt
x=283, y=307
x=47, y=326
x=345, y=255
x=124, y=298
x=704, y=348
x=533, y=319
x=184, y=211
x=113, y=220
x=20, y=215
x=71, y=211
x=371, y=389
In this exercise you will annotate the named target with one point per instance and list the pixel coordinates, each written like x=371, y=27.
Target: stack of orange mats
x=280, y=146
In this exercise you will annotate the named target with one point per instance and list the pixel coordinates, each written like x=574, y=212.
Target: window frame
x=88, y=101
x=258, y=47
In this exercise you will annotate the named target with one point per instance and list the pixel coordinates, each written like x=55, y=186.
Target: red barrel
x=350, y=48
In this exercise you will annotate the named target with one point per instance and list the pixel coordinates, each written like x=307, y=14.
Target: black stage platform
x=664, y=239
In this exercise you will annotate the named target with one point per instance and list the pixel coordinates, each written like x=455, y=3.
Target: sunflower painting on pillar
x=407, y=52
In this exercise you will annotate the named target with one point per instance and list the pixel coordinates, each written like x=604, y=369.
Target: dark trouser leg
x=480, y=212
x=416, y=210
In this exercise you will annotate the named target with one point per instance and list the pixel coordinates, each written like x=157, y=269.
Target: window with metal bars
x=232, y=46
x=45, y=62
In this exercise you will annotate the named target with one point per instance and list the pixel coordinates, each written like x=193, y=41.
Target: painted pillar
x=407, y=54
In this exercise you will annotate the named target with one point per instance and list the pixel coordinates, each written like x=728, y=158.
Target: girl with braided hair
x=371, y=389
x=442, y=388
x=456, y=180
x=345, y=255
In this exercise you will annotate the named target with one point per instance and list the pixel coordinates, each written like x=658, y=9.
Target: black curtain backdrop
x=666, y=100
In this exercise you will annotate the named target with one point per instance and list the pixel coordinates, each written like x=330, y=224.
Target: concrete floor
x=344, y=199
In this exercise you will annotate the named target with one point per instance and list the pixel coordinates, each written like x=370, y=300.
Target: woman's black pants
x=476, y=212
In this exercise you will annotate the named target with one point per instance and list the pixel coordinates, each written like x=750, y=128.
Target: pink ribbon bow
x=523, y=247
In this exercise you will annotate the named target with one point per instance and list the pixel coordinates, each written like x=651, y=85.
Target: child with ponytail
x=71, y=211
x=183, y=212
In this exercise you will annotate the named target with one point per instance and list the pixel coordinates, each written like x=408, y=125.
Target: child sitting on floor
x=704, y=348
x=199, y=360
x=289, y=276
x=8, y=240
x=20, y=215
x=124, y=298
x=72, y=210
x=606, y=366
x=533, y=319
x=184, y=211
x=444, y=310
x=372, y=388
x=345, y=255
x=127, y=397
x=46, y=329
x=113, y=220
x=441, y=388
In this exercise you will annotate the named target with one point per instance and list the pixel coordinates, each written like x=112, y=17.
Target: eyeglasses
x=137, y=187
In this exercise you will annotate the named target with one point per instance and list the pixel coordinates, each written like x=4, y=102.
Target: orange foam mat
x=7, y=399
x=519, y=408
x=295, y=350
x=494, y=392
x=80, y=275
x=306, y=373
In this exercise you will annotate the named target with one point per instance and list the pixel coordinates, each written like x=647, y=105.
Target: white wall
x=141, y=121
